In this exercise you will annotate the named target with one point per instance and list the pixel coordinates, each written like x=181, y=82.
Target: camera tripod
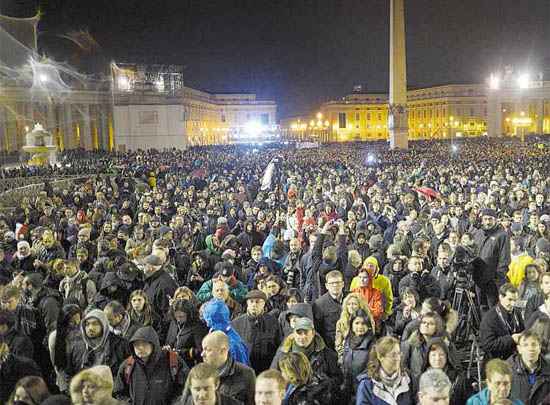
x=466, y=303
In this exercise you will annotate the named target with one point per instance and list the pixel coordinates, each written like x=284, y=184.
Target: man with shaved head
x=236, y=380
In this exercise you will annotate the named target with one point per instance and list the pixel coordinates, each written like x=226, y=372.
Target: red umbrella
x=430, y=193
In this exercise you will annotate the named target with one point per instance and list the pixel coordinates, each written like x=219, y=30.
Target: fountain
x=39, y=144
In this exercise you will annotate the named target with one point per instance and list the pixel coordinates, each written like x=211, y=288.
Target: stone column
x=397, y=114
x=86, y=133
x=540, y=116
x=69, y=139
x=103, y=127
x=494, y=114
x=51, y=125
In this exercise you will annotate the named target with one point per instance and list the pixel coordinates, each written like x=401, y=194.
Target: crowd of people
x=231, y=275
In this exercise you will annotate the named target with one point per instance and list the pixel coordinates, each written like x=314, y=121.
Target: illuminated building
x=433, y=113
x=519, y=104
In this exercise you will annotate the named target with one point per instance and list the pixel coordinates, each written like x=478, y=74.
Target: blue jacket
x=482, y=398
x=371, y=392
x=216, y=315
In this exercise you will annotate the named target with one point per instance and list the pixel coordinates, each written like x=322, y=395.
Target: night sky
x=304, y=52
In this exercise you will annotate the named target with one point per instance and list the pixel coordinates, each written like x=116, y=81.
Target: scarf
x=122, y=327
x=390, y=381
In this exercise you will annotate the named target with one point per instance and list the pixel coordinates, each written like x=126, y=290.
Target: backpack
x=172, y=361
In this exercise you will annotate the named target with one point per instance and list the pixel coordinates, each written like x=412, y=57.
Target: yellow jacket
x=516, y=269
x=380, y=282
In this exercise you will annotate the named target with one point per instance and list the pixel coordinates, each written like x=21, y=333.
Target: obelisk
x=397, y=117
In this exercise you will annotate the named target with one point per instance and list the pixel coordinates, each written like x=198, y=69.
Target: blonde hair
x=343, y=325
x=381, y=348
x=296, y=368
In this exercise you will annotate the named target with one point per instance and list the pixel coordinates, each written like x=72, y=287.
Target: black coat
x=186, y=340
x=495, y=337
x=521, y=389
x=237, y=381
x=326, y=312
x=426, y=285
x=19, y=344
x=354, y=362
x=159, y=287
x=494, y=249
x=323, y=360
x=12, y=370
x=262, y=335
x=533, y=304
x=154, y=382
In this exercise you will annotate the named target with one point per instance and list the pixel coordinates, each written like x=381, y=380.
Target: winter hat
x=101, y=376
x=256, y=294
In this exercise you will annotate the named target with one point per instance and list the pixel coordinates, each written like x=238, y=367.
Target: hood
x=216, y=315
x=149, y=335
x=99, y=315
x=302, y=309
x=372, y=260
x=271, y=265
x=101, y=376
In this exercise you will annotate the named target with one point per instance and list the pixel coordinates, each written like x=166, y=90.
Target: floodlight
x=253, y=128
x=494, y=82
x=523, y=81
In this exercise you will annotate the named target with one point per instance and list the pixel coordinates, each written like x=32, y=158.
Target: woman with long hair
x=140, y=310
x=352, y=303
x=414, y=349
x=356, y=351
x=439, y=357
x=30, y=390
x=303, y=387
x=385, y=380
x=185, y=331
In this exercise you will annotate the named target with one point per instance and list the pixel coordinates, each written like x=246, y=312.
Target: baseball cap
x=303, y=324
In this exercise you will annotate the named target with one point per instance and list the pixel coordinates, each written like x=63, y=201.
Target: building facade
x=144, y=118
x=433, y=113
x=518, y=107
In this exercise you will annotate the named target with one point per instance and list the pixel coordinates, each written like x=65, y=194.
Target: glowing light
x=327, y=123
x=26, y=128
x=294, y=127
x=253, y=128
x=494, y=82
x=312, y=123
x=523, y=81
x=319, y=116
x=159, y=84
x=43, y=78
x=370, y=158
x=454, y=148
x=123, y=83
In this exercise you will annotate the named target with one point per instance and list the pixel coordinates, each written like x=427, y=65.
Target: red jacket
x=374, y=299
